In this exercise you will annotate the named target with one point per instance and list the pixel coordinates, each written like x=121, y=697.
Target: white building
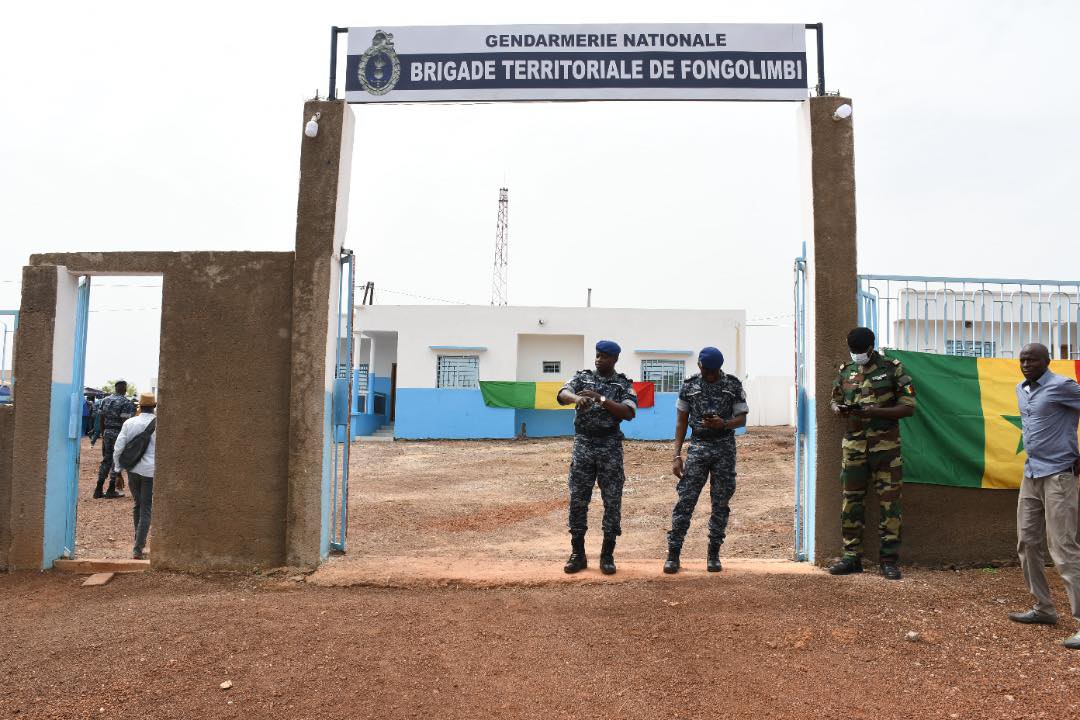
x=420, y=365
x=994, y=322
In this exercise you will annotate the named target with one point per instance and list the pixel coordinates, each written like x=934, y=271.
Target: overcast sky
x=139, y=126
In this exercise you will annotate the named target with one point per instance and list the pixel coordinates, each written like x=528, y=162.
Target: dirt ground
x=103, y=527
x=158, y=645
x=760, y=640
x=508, y=500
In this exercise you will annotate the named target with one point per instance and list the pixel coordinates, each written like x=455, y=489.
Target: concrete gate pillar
x=829, y=149
x=321, y=218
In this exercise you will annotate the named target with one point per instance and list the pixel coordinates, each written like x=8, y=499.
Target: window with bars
x=552, y=366
x=667, y=375
x=457, y=371
x=361, y=379
x=970, y=348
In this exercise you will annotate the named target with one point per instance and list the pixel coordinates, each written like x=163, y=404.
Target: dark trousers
x=596, y=461
x=108, y=442
x=142, y=489
x=705, y=460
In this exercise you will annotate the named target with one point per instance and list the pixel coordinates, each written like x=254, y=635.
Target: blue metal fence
x=974, y=317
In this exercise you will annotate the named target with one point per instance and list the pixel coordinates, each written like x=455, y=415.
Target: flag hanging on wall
x=966, y=429
x=542, y=395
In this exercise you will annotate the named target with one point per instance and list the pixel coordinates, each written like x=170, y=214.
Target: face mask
x=860, y=358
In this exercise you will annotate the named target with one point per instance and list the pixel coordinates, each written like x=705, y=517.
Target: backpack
x=136, y=447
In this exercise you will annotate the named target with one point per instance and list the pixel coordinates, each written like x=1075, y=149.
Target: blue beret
x=711, y=358
x=608, y=347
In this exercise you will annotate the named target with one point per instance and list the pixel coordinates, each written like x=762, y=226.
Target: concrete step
x=375, y=438
x=92, y=566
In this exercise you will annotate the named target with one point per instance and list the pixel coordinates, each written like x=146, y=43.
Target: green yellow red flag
x=542, y=395
x=966, y=430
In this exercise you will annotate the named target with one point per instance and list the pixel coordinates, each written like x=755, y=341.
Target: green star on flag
x=1015, y=420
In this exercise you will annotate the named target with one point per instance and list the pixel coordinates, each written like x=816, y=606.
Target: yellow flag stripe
x=546, y=396
x=1003, y=464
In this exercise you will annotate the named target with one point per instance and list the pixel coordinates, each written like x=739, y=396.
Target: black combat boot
x=713, y=563
x=890, y=570
x=671, y=565
x=577, y=559
x=607, y=555
x=846, y=566
x=112, y=492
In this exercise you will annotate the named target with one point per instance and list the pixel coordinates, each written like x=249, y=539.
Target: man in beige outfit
x=1047, y=508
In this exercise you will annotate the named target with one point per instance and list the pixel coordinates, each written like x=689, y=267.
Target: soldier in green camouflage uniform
x=872, y=393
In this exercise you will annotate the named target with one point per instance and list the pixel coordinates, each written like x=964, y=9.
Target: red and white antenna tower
x=499, y=291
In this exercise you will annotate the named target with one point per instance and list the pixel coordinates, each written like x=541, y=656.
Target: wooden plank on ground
x=98, y=579
x=90, y=566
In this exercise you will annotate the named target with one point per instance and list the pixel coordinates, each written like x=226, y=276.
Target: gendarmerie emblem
x=379, y=65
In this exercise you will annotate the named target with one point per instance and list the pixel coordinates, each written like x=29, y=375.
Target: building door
x=393, y=390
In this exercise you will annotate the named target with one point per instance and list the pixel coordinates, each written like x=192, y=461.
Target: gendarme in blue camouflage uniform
x=114, y=410
x=711, y=454
x=598, y=451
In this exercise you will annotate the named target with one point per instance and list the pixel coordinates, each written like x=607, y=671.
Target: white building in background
x=419, y=366
x=994, y=322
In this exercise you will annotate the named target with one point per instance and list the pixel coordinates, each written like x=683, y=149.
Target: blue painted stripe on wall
x=366, y=424
x=452, y=414
x=461, y=414
x=654, y=423
x=545, y=423
x=381, y=385
x=61, y=457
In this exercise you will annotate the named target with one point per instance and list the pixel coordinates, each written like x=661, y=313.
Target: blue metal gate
x=804, y=427
x=74, y=434
x=342, y=406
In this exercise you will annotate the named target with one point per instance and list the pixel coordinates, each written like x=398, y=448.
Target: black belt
x=711, y=434
x=597, y=432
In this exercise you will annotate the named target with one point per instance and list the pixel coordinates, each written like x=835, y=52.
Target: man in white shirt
x=141, y=474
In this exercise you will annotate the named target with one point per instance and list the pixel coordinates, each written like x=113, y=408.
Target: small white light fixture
x=842, y=113
x=312, y=127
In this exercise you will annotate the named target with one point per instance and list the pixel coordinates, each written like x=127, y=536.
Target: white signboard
x=478, y=63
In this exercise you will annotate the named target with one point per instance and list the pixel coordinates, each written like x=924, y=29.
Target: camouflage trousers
x=862, y=464
x=596, y=461
x=714, y=458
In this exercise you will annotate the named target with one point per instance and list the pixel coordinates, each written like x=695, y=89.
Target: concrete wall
x=7, y=440
x=325, y=162
x=384, y=355
x=246, y=372
x=942, y=525
x=534, y=350
x=222, y=458
x=30, y=452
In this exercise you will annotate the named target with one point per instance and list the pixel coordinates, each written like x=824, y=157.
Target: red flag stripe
x=646, y=394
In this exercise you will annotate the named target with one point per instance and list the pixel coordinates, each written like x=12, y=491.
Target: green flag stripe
x=943, y=443
x=508, y=394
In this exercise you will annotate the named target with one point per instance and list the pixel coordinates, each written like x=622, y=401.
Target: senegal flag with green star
x=966, y=429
